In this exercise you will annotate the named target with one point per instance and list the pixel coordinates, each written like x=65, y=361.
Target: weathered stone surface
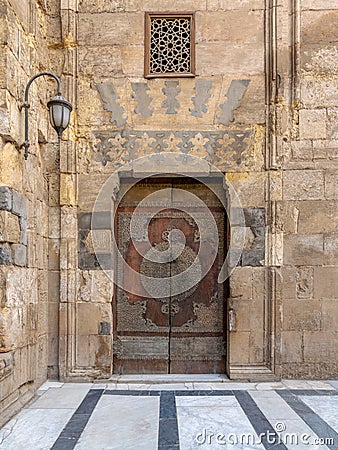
x=331, y=185
x=19, y=206
x=291, y=346
x=318, y=346
x=6, y=198
x=117, y=29
x=9, y=227
x=5, y=255
x=301, y=315
x=304, y=249
x=312, y=124
x=326, y=282
x=19, y=254
x=303, y=185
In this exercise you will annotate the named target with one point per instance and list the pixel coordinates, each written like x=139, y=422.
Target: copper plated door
x=181, y=332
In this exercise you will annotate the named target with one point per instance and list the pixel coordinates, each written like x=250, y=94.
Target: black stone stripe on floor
x=260, y=423
x=324, y=392
x=203, y=393
x=135, y=393
x=168, y=427
x=316, y=423
x=72, y=431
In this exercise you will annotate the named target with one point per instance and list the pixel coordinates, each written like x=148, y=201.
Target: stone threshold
x=169, y=378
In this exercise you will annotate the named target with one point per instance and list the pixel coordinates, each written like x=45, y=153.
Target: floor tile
x=122, y=423
x=213, y=423
x=326, y=407
x=60, y=398
x=34, y=429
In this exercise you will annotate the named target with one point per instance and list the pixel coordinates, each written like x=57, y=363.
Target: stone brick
x=331, y=248
x=226, y=26
x=89, y=315
x=286, y=283
x=241, y=283
x=331, y=185
x=9, y=227
x=332, y=119
x=303, y=185
x=320, y=346
x=10, y=167
x=317, y=216
x=243, y=60
x=301, y=315
x=116, y=29
x=67, y=189
x=326, y=150
x=19, y=204
x=304, y=249
x=318, y=27
x=19, y=254
x=240, y=341
x=291, y=346
x=250, y=188
x=312, y=124
x=325, y=282
x=329, y=315
x=5, y=198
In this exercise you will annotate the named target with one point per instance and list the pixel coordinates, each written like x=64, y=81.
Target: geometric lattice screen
x=169, y=45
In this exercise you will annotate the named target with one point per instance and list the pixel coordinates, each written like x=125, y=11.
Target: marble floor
x=207, y=412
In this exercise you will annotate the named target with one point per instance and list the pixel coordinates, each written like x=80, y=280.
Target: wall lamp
x=59, y=110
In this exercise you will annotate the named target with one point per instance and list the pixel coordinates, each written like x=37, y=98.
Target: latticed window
x=170, y=49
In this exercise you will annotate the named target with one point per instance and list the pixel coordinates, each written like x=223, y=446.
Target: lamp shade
x=59, y=113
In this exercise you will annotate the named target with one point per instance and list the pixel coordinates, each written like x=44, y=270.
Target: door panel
x=182, y=332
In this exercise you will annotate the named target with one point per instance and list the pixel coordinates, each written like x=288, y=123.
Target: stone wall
x=307, y=208
x=25, y=198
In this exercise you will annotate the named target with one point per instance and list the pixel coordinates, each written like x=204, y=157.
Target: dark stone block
x=82, y=236
x=19, y=204
x=254, y=217
x=237, y=216
x=253, y=257
x=102, y=220
x=19, y=254
x=23, y=228
x=5, y=255
x=6, y=199
x=87, y=261
x=84, y=220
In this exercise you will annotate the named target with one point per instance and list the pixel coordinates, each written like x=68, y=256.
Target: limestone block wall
x=306, y=210
x=24, y=203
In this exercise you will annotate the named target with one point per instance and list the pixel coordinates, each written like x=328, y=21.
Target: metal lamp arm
x=26, y=104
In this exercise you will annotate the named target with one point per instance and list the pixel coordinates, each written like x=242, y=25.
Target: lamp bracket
x=25, y=105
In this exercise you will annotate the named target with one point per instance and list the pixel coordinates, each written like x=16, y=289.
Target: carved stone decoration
x=226, y=149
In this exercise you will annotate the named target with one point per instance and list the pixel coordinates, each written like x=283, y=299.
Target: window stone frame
x=148, y=18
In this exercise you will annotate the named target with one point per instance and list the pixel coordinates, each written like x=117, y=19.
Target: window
x=170, y=46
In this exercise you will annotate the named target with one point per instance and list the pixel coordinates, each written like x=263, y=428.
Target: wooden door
x=181, y=332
